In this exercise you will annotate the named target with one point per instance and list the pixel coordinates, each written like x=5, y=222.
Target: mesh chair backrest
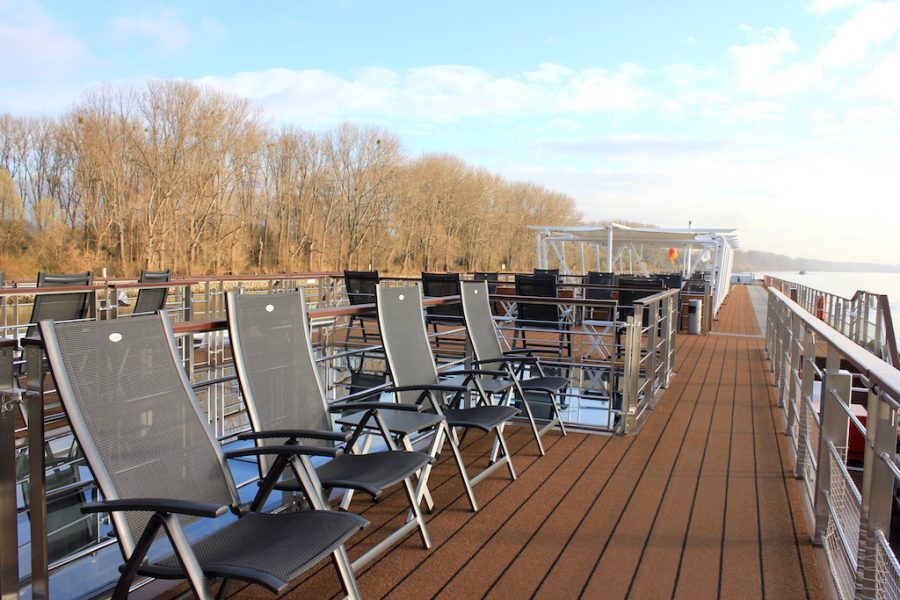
x=436, y=285
x=600, y=278
x=537, y=315
x=405, y=339
x=554, y=272
x=640, y=288
x=670, y=280
x=360, y=286
x=480, y=323
x=275, y=362
x=135, y=415
x=152, y=299
x=61, y=307
x=492, y=279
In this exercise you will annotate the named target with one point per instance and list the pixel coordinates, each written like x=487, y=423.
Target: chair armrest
x=508, y=359
x=376, y=391
x=339, y=406
x=316, y=434
x=165, y=505
x=491, y=372
x=285, y=450
x=436, y=387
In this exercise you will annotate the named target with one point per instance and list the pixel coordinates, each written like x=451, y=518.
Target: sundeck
x=676, y=477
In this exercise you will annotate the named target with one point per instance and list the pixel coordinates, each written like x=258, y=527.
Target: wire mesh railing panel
x=887, y=569
x=841, y=541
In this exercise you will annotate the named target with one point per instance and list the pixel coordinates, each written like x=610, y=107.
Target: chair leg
x=186, y=557
x=223, y=589
x=345, y=573
x=461, y=465
x=348, y=494
x=537, y=436
x=129, y=571
x=509, y=464
x=422, y=492
x=413, y=498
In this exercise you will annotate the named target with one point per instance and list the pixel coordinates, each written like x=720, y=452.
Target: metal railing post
x=37, y=476
x=835, y=429
x=877, y=489
x=793, y=369
x=652, y=339
x=9, y=539
x=631, y=374
x=807, y=375
x=667, y=341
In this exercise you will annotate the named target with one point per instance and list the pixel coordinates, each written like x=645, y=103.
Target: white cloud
x=438, y=93
x=754, y=111
x=34, y=46
x=872, y=24
x=164, y=30
x=762, y=65
x=820, y=7
x=883, y=80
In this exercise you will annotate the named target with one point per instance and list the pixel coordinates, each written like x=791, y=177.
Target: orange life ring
x=820, y=308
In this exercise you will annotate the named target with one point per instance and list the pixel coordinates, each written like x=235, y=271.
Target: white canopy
x=716, y=244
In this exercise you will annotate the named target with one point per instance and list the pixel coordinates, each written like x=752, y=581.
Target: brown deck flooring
x=697, y=505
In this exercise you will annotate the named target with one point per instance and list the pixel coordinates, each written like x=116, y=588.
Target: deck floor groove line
x=603, y=488
x=727, y=486
x=759, y=531
x=534, y=533
x=373, y=506
x=447, y=477
x=536, y=490
x=785, y=482
x=634, y=575
x=482, y=506
x=703, y=463
x=671, y=470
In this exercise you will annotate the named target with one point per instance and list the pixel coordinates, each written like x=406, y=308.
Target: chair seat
x=485, y=418
x=554, y=384
x=401, y=422
x=269, y=549
x=370, y=473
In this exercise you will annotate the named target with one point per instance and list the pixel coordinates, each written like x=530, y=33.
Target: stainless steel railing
x=865, y=318
x=852, y=506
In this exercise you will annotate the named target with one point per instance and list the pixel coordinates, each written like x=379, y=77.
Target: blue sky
x=779, y=118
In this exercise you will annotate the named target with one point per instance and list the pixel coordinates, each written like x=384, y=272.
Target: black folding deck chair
x=532, y=316
x=135, y=416
x=438, y=285
x=489, y=355
x=280, y=385
x=416, y=381
x=360, y=288
x=61, y=307
x=150, y=300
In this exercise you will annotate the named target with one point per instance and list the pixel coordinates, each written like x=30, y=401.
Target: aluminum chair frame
x=88, y=347
x=303, y=384
x=416, y=380
x=489, y=354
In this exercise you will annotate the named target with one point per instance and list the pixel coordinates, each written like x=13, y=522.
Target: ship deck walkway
x=700, y=504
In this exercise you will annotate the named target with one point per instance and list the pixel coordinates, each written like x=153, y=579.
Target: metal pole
x=34, y=404
x=9, y=542
x=609, y=248
x=805, y=393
